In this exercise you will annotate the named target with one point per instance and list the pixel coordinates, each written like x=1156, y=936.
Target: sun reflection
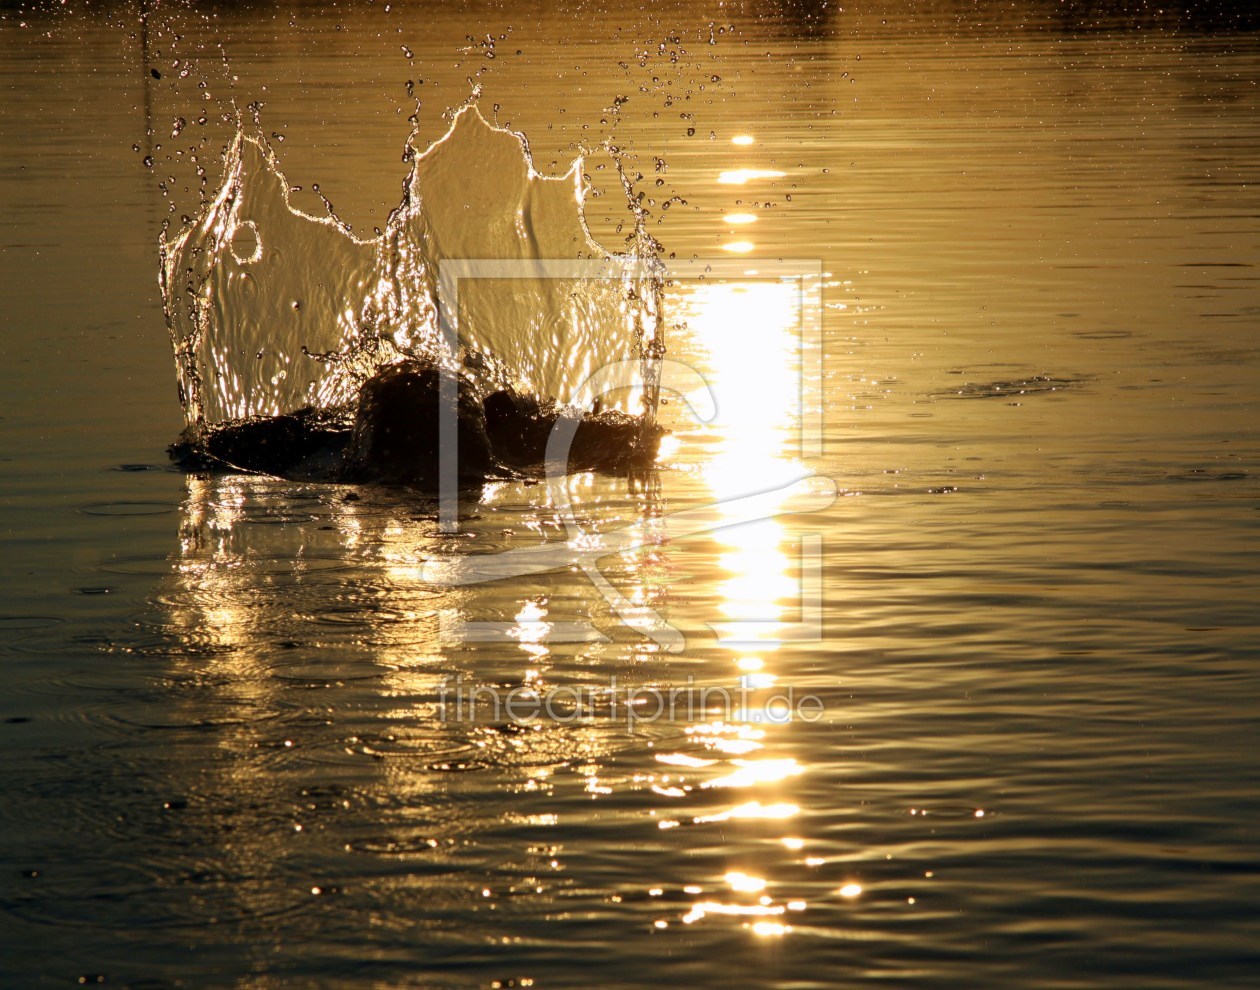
x=746, y=333
x=731, y=740
x=683, y=760
x=749, y=773
x=668, y=447
x=739, y=247
x=531, y=629
x=752, y=809
x=739, y=176
x=740, y=219
x=745, y=884
x=742, y=139
x=759, y=574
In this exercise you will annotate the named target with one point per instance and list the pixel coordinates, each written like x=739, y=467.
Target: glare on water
x=926, y=655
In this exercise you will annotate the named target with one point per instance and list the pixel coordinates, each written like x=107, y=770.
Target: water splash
x=272, y=310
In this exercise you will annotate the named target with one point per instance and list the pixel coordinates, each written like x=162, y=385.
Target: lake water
x=1019, y=644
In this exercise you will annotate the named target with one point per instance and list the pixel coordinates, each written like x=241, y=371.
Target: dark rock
x=290, y=445
x=521, y=430
x=397, y=435
x=393, y=436
x=511, y=421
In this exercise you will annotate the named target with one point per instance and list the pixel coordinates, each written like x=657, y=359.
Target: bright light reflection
x=739, y=219
x=748, y=335
x=760, y=576
x=530, y=629
x=745, y=884
x=748, y=332
x=739, y=176
x=752, y=772
x=699, y=910
x=683, y=760
x=739, y=247
x=668, y=447
x=736, y=747
x=742, y=139
x=730, y=740
x=751, y=809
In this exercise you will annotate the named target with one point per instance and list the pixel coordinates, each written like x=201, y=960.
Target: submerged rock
x=520, y=431
x=397, y=428
x=393, y=436
x=308, y=443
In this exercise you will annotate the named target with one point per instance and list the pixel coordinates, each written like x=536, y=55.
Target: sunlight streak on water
x=225, y=758
x=741, y=176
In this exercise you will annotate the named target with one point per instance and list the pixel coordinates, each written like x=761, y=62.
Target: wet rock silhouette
x=397, y=428
x=520, y=430
x=392, y=436
x=308, y=443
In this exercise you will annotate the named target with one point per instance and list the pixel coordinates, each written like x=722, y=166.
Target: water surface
x=224, y=762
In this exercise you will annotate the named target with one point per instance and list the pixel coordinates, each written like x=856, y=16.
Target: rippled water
x=224, y=757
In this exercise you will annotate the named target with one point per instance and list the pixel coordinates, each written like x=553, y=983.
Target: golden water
x=1032, y=634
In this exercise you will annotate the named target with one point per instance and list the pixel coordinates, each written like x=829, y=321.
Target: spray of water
x=272, y=310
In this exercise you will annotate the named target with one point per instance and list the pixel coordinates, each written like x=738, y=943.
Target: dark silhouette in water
x=396, y=428
x=392, y=436
x=305, y=444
